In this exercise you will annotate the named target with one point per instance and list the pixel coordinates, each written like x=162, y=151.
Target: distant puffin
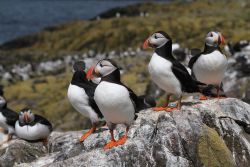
x=8, y=117
x=210, y=65
x=81, y=96
x=117, y=102
x=32, y=127
x=167, y=72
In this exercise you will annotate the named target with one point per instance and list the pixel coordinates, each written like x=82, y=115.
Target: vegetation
x=187, y=23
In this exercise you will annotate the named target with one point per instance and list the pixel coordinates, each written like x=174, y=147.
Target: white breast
x=161, y=73
x=3, y=121
x=36, y=132
x=210, y=68
x=114, y=102
x=80, y=101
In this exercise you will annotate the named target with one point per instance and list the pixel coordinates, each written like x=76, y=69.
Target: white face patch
x=105, y=67
x=157, y=40
x=212, y=39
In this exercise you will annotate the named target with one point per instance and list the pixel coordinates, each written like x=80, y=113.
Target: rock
x=208, y=133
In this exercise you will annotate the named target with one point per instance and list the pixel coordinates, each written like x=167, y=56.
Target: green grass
x=187, y=23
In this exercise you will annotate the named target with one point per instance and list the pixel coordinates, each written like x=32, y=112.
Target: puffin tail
x=211, y=91
x=145, y=102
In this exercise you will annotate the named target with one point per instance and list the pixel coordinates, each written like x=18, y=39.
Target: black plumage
x=79, y=79
x=188, y=84
x=10, y=115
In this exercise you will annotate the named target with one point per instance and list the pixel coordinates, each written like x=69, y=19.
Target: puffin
x=81, y=96
x=168, y=73
x=209, y=66
x=117, y=102
x=8, y=117
x=32, y=127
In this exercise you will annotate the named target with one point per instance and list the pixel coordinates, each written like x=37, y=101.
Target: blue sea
x=22, y=17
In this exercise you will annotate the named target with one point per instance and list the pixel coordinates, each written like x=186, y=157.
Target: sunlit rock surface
x=208, y=133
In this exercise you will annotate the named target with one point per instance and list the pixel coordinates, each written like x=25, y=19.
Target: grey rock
x=155, y=139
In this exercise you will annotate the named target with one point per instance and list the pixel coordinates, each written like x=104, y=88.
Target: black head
x=79, y=66
x=105, y=67
x=26, y=116
x=157, y=40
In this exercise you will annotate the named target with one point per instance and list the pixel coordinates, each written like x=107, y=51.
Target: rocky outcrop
x=209, y=133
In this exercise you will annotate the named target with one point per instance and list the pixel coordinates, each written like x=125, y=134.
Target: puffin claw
x=157, y=109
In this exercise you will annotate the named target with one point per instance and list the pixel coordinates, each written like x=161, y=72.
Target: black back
x=188, y=84
x=10, y=115
x=42, y=120
x=79, y=79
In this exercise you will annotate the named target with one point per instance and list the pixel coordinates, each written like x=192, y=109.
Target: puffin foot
x=173, y=109
x=122, y=140
x=202, y=97
x=87, y=134
x=157, y=109
x=109, y=145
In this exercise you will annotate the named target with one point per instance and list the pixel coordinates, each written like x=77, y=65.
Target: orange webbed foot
x=157, y=109
x=121, y=141
x=87, y=134
x=173, y=109
x=203, y=97
x=109, y=145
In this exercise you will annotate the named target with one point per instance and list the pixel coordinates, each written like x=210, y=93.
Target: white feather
x=4, y=125
x=161, y=73
x=114, y=102
x=80, y=101
x=210, y=68
x=36, y=132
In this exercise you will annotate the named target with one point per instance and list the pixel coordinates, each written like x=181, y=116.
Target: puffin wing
x=42, y=120
x=93, y=104
x=11, y=116
x=188, y=84
x=193, y=60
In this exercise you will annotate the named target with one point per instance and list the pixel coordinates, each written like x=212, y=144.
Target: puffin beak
x=222, y=39
x=26, y=117
x=145, y=44
x=97, y=73
x=90, y=73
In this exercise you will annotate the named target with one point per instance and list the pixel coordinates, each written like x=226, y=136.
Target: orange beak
x=145, y=44
x=26, y=117
x=222, y=39
x=90, y=72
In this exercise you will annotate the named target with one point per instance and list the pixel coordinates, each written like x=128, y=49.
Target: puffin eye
x=156, y=37
x=211, y=35
x=101, y=65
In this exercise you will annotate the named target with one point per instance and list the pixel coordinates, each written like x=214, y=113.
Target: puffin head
x=104, y=68
x=214, y=38
x=26, y=116
x=157, y=40
x=79, y=66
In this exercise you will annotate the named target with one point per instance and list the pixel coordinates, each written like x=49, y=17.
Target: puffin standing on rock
x=169, y=74
x=209, y=66
x=8, y=117
x=117, y=102
x=81, y=96
x=32, y=127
